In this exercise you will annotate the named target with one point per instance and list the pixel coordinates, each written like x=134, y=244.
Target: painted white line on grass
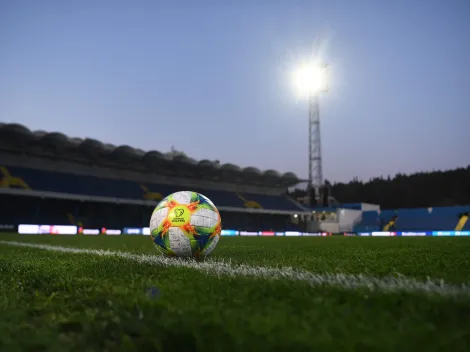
x=390, y=284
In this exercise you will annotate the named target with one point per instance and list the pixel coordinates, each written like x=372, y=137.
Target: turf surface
x=82, y=302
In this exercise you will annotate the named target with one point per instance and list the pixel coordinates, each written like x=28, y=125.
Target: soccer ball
x=185, y=224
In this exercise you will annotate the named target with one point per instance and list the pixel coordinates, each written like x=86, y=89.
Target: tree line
x=423, y=189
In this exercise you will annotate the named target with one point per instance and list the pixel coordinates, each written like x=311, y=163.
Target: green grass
x=81, y=302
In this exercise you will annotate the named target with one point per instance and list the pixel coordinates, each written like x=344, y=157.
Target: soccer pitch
x=108, y=293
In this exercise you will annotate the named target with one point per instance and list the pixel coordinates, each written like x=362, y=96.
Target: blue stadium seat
x=272, y=202
x=370, y=222
x=93, y=186
x=420, y=219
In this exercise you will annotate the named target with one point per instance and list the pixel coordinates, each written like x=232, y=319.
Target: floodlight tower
x=311, y=80
x=315, y=171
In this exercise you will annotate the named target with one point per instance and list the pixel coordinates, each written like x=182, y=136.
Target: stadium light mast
x=311, y=80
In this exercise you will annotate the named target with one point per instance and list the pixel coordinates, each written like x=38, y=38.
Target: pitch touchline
x=344, y=281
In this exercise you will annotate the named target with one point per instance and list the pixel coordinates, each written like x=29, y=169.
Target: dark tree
x=424, y=189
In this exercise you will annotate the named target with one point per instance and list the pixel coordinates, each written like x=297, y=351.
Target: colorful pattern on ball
x=185, y=224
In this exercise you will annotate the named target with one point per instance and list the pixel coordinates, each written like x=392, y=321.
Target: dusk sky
x=212, y=78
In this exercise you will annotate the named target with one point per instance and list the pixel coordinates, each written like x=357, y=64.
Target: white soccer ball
x=185, y=224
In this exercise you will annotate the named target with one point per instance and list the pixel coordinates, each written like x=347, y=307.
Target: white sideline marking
x=388, y=284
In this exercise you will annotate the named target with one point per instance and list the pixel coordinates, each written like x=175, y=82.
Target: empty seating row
x=420, y=219
x=24, y=178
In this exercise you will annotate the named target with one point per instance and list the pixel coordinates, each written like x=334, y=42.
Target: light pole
x=311, y=80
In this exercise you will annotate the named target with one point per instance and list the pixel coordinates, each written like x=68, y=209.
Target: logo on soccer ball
x=180, y=216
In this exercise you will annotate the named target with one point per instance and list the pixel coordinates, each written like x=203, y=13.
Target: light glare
x=310, y=79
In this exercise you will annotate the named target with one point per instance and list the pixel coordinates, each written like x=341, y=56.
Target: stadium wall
x=40, y=229
x=348, y=218
x=343, y=220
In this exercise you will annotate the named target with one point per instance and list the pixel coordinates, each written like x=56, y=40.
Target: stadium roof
x=20, y=138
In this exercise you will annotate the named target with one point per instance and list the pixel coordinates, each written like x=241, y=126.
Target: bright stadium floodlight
x=310, y=80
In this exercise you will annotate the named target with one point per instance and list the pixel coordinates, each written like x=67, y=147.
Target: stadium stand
x=67, y=183
x=50, y=178
x=419, y=219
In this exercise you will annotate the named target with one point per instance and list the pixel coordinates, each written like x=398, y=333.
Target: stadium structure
x=51, y=179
